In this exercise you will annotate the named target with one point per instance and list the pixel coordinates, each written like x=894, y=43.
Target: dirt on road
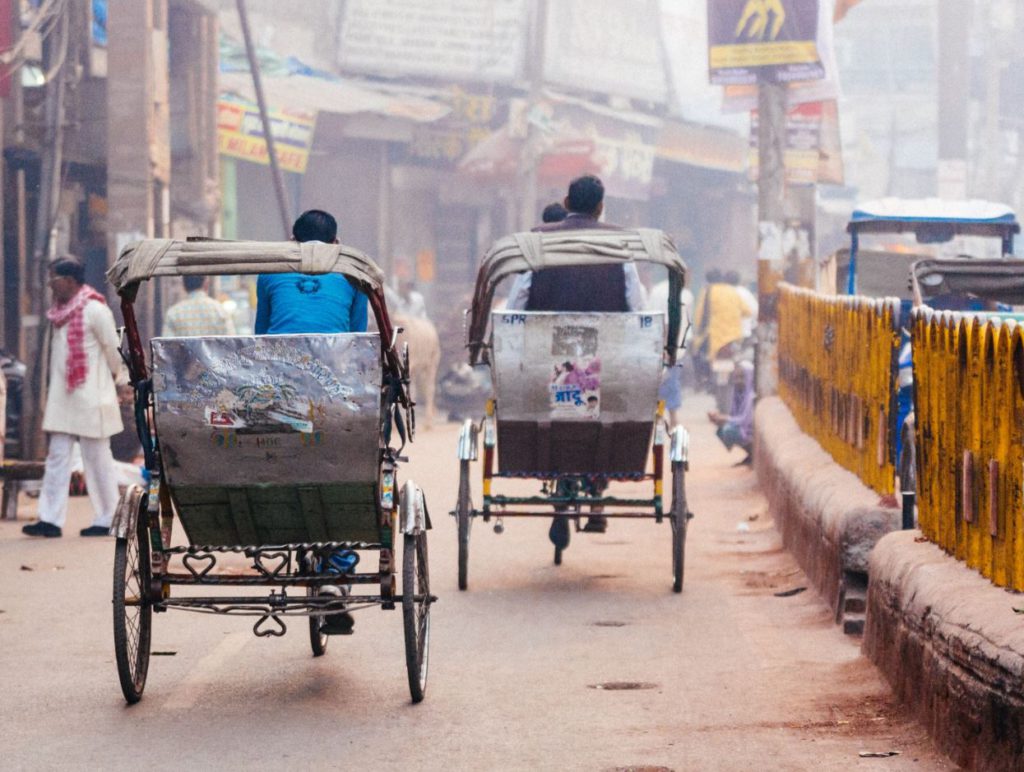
x=591, y=665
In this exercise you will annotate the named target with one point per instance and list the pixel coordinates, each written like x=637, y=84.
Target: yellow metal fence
x=969, y=413
x=837, y=374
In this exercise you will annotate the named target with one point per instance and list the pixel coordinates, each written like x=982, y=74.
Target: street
x=731, y=676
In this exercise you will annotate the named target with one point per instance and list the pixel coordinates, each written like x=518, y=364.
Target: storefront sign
x=452, y=39
x=770, y=39
x=621, y=153
x=606, y=46
x=240, y=135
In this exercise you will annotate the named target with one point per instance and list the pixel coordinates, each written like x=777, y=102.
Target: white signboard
x=469, y=40
x=607, y=46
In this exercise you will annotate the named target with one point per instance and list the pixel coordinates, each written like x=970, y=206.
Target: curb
x=829, y=520
x=952, y=647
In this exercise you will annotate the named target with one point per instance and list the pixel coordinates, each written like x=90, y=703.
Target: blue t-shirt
x=301, y=303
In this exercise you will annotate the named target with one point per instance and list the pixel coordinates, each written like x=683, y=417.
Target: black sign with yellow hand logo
x=763, y=39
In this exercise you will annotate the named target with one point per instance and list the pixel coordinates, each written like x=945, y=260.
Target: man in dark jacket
x=579, y=287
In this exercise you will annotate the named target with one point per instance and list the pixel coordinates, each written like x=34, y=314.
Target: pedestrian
x=671, y=389
x=732, y=278
x=81, y=401
x=303, y=303
x=198, y=314
x=718, y=321
x=298, y=303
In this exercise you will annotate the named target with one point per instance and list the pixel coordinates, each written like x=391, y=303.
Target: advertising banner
x=803, y=142
x=240, y=135
x=447, y=39
x=770, y=39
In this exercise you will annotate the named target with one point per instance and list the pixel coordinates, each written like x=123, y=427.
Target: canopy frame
x=534, y=251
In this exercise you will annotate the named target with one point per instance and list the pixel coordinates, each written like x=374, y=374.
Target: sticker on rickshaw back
x=576, y=388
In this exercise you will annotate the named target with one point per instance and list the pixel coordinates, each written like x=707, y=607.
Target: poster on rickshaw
x=751, y=40
x=575, y=387
x=240, y=134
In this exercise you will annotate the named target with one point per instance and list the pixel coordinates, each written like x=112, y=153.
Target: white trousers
x=100, y=478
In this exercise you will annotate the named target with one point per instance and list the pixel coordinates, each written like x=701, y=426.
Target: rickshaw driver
x=579, y=288
x=298, y=303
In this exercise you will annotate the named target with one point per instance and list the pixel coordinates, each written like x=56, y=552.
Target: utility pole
x=771, y=195
x=257, y=82
x=531, y=148
x=55, y=57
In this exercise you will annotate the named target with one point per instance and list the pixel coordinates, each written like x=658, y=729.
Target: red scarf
x=72, y=314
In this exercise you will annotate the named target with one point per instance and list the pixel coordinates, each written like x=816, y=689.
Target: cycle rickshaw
x=272, y=451
x=575, y=402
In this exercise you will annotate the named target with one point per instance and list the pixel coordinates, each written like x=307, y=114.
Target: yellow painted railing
x=969, y=413
x=837, y=374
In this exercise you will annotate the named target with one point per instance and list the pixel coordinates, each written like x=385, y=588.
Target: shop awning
x=308, y=94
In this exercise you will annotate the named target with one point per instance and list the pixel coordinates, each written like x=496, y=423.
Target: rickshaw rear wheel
x=416, y=612
x=133, y=613
x=679, y=516
x=317, y=639
x=463, y=515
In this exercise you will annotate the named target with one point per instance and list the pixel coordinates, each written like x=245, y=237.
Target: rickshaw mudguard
x=413, y=517
x=679, y=448
x=127, y=511
x=467, y=447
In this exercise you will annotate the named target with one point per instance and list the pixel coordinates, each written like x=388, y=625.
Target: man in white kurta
x=80, y=407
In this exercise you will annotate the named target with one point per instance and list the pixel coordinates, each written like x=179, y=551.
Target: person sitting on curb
x=737, y=428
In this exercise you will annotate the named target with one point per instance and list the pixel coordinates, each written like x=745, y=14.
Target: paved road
x=738, y=678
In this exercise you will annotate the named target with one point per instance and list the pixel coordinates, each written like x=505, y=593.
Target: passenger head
x=315, y=225
x=553, y=213
x=586, y=196
x=67, y=275
x=193, y=283
x=714, y=276
x=732, y=277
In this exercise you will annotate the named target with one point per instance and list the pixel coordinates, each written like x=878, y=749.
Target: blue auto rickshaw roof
x=893, y=215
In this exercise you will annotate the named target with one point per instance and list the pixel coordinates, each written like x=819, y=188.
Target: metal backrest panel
x=577, y=367
x=275, y=410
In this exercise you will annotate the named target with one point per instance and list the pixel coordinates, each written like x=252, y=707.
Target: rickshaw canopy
x=932, y=221
x=151, y=258
x=534, y=251
x=1000, y=281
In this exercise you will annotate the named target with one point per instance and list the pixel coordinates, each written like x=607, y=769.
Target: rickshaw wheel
x=679, y=517
x=416, y=612
x=465, y=521
x=317, y=640
x=133, y=614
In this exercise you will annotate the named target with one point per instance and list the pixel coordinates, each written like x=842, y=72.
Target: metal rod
x=604, y=501
x=261, y=102
x=257, y=580
x=620, y=515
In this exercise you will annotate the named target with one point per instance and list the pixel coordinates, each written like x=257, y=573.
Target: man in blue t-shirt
x=301, y=303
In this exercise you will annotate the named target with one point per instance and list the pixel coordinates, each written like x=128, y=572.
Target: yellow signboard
x=240, y=135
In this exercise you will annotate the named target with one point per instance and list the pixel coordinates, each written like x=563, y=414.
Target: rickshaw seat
x=271, y=439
